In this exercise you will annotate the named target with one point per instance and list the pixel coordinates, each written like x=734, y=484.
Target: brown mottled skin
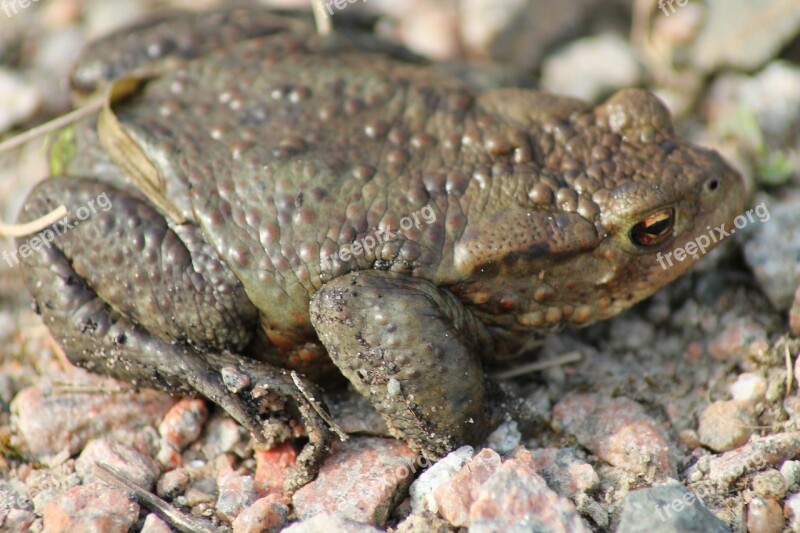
x=279, y=150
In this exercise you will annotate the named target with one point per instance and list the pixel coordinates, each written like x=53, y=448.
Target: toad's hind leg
x=127, y=296
x=412, y=349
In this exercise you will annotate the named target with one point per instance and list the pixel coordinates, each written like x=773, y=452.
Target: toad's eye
x=654, y=229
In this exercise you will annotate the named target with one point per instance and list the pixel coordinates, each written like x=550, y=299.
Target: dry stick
x=23, y=230
x=569, y=357
x=181, y=521
x=29, y=228
x=789, y=371
x=322, y=19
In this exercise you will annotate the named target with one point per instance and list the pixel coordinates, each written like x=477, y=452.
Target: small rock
x=455, y=497
x=764, y=516
x=505, y=438
x=181, y=426
x=441, y=472
x=618, y=431
x=772, y=249
x=236, y=491
x=739, y=338
x=363, y=480
x=794, y=314
x=592, y=67
x=92, y=507
x=327, y=522
x=172, y=483
x=19, y=100
x=791, y=510
x=689, y=438
x=48, y=484
x=516, y=498
x=790, y=470
x=268, y=514
x=424, y=523
x=154, y=524
x=223, y=435
x=748, y=388
x=564, y=470
x=724, y=425
x=769, y=484
x=48, y=423
x=271, y=468
x=15, y=520
x=139, y=468
x=771, y=96
x=195, y=496
x=754, y=456
x=667, y=508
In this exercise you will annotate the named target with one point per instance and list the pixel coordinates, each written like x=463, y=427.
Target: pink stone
x=455, y=497
x=362, y=480
x=92, y=507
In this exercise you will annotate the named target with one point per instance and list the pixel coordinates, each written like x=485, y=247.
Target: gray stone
x=667, y=508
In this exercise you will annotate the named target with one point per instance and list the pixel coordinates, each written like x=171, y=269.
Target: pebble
x=731, y=37
x=82, y=417
x=725, y=425
x=224, y=435
x=667, y=508
x=268, y=514
x=592, y=67
x=772, y=250
x=757, y=454
x=422, y=490
x=363, y=480
x=794, y=314
x=749, y=387
x=790, y=470
x=92, y=507
x=18, y=100
x=172, y=483
x=236, y=492
x=740, y=338
x=154, y=524
x=455, y=496
x=516, y=498
x=764, y=516
x=181, y=426
x=618, y=431
x=772, y=96
x=271, y=468
x=791, y=510
x=327, y=522
x=564, y=470
x=505, y=438
x=139, y=468
x=769, y=484
x=16, y=520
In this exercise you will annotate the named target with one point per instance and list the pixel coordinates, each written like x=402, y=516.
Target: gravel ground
x=681, y=414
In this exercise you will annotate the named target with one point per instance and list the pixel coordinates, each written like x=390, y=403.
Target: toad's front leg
x=412, y=349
